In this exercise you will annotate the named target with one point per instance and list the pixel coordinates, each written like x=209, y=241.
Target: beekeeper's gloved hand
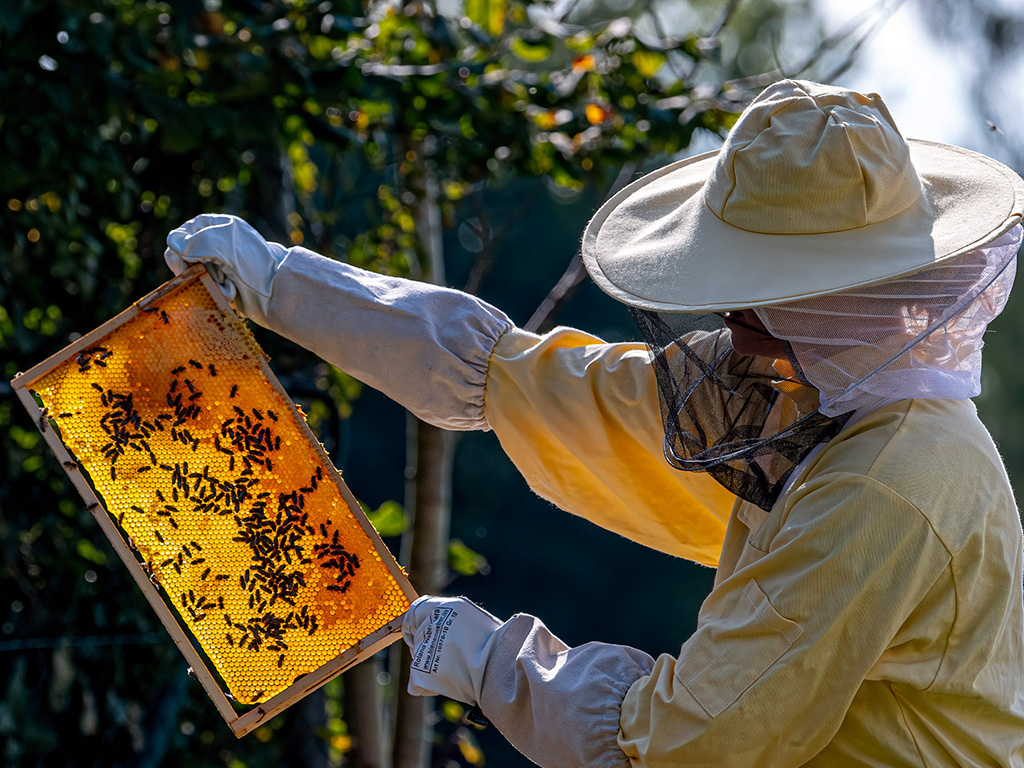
x=559, y=706
x=236, y=255
x=451, y=639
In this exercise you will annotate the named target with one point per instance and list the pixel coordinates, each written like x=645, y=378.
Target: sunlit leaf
x=584, y=63
x=452, y=711
x=527, y=52
x=545, y=119
x=648, y=63
x=466, y=125
x=87, y=550
x=471, y=753
x=464, y=560
x=390, y=519
x=488, y=14
x=598, y=114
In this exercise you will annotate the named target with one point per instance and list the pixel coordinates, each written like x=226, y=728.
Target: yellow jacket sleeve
x=581, y=420
x=785, y=642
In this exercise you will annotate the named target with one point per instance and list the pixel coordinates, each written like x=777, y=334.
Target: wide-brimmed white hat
x=814, y=192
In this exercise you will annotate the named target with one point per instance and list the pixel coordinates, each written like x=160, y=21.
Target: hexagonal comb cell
x=217, y=484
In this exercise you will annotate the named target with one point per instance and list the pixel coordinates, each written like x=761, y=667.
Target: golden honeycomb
x=206, y=468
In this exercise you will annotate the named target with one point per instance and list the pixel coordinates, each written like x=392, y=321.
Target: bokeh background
x=461, y=142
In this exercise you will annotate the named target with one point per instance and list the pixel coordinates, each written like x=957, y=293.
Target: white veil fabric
x=913, y=337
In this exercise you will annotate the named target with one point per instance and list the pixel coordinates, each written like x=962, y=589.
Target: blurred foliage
x=466, y=561
x=390, y=518
x=988, y=34
x=324, y=124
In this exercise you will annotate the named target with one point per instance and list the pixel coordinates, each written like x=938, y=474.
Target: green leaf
x=466, y=125
x=465, y=561
x=87, y=550
x=390, y=519
x=452, y=711
x=24, y=438
x=563, y=178
x=527, y=52
x=690, y=46
x=488, y=14
x=648, y=63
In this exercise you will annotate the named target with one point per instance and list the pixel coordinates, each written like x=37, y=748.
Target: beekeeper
x=822, y=451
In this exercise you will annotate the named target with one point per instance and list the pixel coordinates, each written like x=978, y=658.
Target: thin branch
x=874, y=17
x=558, y=295
x=712, y=35
x=400, y=71
x=727, y=12
x=663, y=38
x=851, y=55
x=429, y=456
x=484, y=263
x=574, y=273
x=568, y=11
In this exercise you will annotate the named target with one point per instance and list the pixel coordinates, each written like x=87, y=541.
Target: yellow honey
x=233, y=510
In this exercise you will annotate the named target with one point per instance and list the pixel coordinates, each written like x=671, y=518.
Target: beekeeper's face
x=750, y=337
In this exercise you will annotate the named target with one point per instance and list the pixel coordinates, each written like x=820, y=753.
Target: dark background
x=119, y=120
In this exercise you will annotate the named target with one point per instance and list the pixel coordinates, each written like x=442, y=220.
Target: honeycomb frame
x=162, y=578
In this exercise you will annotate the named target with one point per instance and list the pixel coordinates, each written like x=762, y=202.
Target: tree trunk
x=307, y=749
x=431, y=462
x=365, y=716
x=429, y=457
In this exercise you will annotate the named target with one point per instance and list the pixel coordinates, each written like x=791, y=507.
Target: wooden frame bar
x=240, y=724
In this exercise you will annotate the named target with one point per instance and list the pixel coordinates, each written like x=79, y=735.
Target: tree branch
x=874, y=17
x=712, y=35
x=727, y=12
x=663, y=39
x=429, y=457
x=574, y=273
x=364, y=714
x=485, y=261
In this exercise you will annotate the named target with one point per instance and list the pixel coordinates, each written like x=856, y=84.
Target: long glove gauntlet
x=424, y=346
x=557, y=705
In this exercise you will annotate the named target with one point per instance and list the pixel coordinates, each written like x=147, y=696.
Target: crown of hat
x=806, y=158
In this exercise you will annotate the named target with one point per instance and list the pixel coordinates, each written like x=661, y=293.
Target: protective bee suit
x=867, y=607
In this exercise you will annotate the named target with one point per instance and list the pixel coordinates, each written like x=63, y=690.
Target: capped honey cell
x=210, y=473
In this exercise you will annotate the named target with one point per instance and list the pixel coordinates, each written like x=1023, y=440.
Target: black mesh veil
x=746, y=421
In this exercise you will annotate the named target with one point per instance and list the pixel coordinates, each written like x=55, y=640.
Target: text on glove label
x=428, y=653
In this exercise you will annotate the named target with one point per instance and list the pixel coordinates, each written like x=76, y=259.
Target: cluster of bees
x=272, y=526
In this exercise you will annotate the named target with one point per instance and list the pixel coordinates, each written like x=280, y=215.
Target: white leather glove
x=451, y=639
x=236, y=255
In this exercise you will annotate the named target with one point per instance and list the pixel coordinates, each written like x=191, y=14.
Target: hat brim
x=656, y=245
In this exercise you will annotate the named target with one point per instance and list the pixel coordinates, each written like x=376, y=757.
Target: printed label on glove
x=428, y=652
